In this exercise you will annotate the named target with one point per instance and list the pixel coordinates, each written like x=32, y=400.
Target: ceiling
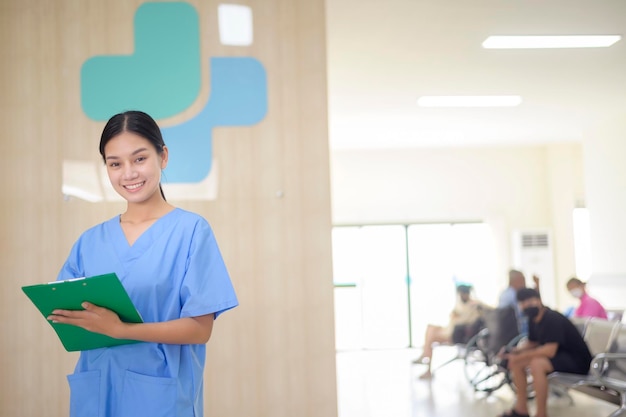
x=384, y=54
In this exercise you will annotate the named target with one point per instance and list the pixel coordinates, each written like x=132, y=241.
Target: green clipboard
x=102, y=290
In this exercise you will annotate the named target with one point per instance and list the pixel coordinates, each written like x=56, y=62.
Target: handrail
x=599, y=367
x=602, y=370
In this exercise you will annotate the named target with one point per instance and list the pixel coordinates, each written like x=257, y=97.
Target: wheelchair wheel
x=480, y=370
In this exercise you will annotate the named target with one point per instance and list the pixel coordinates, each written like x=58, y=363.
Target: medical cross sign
x=163, y=78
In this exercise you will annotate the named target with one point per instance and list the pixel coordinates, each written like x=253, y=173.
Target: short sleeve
x=552, y=331
x=72, y=268
x=206, y=287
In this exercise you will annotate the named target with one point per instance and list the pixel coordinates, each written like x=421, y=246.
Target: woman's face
x=134, y=166
x=576, y=290
x=465, y=296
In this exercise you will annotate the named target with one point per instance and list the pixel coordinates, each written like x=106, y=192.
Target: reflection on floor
x=385, y=384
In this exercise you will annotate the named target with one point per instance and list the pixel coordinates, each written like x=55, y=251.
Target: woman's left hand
x=93, y=318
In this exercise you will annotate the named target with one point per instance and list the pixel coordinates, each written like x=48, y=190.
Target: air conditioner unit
x=533, y=255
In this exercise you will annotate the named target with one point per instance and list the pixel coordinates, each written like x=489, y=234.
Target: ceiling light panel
x=469, y=101
x=537, y=42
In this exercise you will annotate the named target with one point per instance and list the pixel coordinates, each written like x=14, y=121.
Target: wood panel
x=274, y=354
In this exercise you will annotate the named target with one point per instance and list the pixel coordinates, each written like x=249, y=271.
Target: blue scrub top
x=173, y=270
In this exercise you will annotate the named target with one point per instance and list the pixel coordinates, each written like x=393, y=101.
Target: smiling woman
x=169, y=263
x=133, y=168
x=133, y=150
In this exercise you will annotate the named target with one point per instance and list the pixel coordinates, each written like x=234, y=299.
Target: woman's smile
x=133, y=187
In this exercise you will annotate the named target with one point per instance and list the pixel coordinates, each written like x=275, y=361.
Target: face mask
x=531, y=312
x=576, y=292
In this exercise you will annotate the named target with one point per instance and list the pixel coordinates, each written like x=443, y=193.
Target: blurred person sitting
x=588, y=307
x=508, y=297
x=517, y=281
x=464, y=323
x=554, y=344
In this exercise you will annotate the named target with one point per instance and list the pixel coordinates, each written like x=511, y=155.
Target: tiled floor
x=384, y=383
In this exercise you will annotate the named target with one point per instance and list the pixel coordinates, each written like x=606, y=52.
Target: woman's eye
x=141, y=159
x=114, y=164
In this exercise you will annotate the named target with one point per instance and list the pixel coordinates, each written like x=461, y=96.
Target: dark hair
x=464, y=289
x=575, y=281
x=526, y=293
x=137, y=122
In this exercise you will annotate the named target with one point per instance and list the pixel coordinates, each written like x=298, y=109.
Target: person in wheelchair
x=465, y=322
x=554, y=344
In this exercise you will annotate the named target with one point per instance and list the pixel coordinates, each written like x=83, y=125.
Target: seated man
x=508, y=297
x=554, y=344
x=464, y=323
x=517, y=281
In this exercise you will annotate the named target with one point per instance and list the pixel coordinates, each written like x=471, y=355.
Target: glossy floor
x=385, y=384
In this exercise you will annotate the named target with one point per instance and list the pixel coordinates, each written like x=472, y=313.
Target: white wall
x=605, y=182
x=510, y=188
x=605, y=147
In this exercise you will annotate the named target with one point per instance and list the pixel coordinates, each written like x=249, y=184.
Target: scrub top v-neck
x=174, y=269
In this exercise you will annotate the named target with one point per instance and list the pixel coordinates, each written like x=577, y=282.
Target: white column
x=604, y=155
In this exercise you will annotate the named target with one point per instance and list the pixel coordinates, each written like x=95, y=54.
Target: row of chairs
x=606, y=340
x=607, y=375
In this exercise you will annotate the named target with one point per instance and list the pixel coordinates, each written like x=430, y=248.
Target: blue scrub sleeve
x=206, y=287
x=72, y=267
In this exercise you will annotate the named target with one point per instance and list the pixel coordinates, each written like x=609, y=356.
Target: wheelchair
x=484, y=369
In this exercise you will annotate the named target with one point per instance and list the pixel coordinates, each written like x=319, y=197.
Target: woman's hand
x=93, y=318
x=186, y=330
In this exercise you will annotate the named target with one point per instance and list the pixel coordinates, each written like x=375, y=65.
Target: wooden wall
x=273, y=355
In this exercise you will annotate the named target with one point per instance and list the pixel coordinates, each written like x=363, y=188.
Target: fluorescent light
x=469, y=101
x=518, y=42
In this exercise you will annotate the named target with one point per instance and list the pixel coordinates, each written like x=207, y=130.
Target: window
x=392, y=280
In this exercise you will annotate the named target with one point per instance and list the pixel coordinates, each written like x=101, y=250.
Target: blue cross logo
x=163, y=78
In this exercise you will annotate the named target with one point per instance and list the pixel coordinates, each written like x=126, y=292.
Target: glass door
x=440, y=257
x=371, y=304
x=378, y=306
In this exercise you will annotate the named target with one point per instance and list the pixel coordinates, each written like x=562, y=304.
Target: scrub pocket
x=85, y=396
x=148, y=396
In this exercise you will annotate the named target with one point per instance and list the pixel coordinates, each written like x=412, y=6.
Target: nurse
x=170, y=264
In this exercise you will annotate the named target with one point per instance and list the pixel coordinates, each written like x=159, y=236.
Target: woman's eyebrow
x=134, y=153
